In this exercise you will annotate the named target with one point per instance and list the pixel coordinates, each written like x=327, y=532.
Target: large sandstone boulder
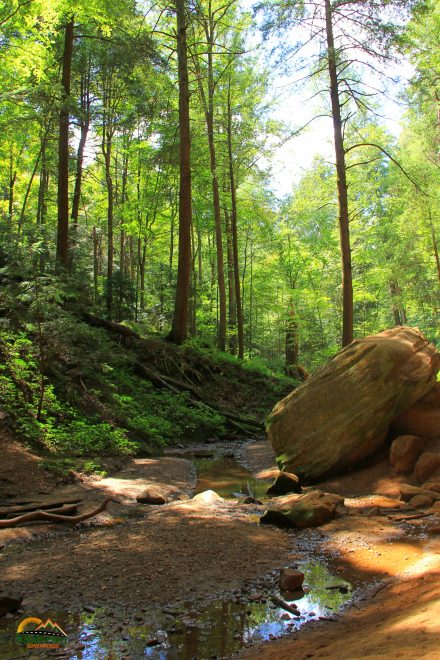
x=341, y=414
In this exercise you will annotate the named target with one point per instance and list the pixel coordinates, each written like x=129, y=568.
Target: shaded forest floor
x=135, y=561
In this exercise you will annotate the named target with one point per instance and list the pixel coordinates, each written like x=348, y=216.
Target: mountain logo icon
x=36, y=633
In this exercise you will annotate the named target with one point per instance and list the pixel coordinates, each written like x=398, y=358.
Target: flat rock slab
x=342, y=413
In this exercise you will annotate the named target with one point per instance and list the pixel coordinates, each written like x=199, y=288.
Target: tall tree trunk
x=234, y=230
x=232, y=308
x=108, y=129
x=344, y=226
x=107, y=150
x=124, y=198
x=85, y=103
x=179, y=328
x=208, y=105
x=62, y=256
x=42, y=195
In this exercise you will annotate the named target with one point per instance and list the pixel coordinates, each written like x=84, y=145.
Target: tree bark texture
x=179, y=328
x=344, y=227
x=62, y=256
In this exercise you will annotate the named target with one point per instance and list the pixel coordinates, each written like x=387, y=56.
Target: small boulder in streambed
x=284, y=483
x=207, y=497
x=152, y=495
x=407, y=492
x=426, y=466
x=310, y=510
x=420, y=501
x=342, y=413
x=433, y=483
x=404, y=452
x=291, y=579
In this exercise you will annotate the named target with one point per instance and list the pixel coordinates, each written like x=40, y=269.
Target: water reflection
x=220, y=628
x=228, y=478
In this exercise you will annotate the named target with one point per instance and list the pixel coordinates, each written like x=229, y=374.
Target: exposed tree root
x=59, y=517
x=8, y=511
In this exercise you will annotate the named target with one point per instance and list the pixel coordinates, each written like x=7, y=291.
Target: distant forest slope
x=76, y=385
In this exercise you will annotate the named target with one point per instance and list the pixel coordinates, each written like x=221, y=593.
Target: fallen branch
x=66, y=509
x=154, y=377
x=282, y=603
x=110, y=325
x=53, y=517
x=7, y=512
x=176, y=386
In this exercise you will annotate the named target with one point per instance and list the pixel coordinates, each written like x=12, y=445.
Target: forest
x=207, y=209
x=96, y=99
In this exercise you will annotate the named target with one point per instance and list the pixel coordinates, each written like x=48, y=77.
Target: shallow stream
x=222, y=626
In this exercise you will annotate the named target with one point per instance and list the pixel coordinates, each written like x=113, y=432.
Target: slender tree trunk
x=28, y=190
x=106, y=146
x=110, y=246
x=199, y=256
x=62, y=256
x=42, y=194
x=344, y=226
x=171, y=252
x=124, y=199
x=221, y=337
x=179, y=328
x=212, y=280
x=85, y=102
x=234, y=231
x=434, y=244
x=397, y=309
x=292, y=345
x=232, y=308
x=192, y=314
x=142, y=258
x=251, y=296
x=208, y=105
x=12, y=179
x=43, y=186
x=132, y=259
x=95, y=263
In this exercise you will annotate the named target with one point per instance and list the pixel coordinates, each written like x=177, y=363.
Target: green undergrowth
x=78, y=392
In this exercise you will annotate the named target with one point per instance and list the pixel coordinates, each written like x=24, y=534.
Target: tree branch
x=388, y=155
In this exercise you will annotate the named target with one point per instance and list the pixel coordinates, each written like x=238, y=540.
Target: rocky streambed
x=200, y=578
